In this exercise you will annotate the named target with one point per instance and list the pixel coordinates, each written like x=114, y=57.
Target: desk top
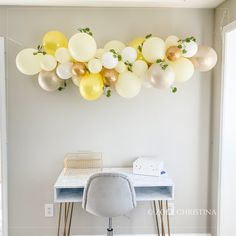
x=77, y=178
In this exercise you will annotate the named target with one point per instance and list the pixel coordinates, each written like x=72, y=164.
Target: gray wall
x=43, y=126
x=224, y=14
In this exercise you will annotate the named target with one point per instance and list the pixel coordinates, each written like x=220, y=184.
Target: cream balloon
x=114, y=44
x=190, y=49
x=28, y=63
x=121, y=67
x=76, y=80
x=95, y=65
x=139, y=67
x=171, y=41
x=128, y=85
x=82, y=47
x=145, y=80
x=161, y=78
x=99, y=53
x=153, y=49
x=183, y=69
x=64, y=71
x=129, y=54
x=205, y=58
x=49, y=81
x=48, y=62
x=62, y=55
x=109, y=61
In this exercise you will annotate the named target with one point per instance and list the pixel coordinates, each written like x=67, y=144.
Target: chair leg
x=110, y=230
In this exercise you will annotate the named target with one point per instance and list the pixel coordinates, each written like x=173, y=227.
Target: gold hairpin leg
x=167, y=217
x=156, y=218
x=162, y=219
x=59, y=220
x=71, y=214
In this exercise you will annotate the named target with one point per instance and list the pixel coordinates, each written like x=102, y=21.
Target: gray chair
x=109, y=195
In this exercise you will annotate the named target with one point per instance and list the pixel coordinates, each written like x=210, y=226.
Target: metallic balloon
x=79, y=68
x=161, y=78
x=173, y=53
x=49, y=81
x=205, y=58
x=110, y=76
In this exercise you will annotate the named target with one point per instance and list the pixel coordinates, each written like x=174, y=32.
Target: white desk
x=70, y=185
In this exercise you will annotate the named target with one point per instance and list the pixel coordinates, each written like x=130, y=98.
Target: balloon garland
x=149, y=62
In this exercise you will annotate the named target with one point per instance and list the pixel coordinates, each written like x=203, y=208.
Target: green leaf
x=184, y=51
x=174, y=89
x=159, y=61
x=108, y=93
x=148, y=36
x=119, y=57
x=140, y=48
x=179, y=46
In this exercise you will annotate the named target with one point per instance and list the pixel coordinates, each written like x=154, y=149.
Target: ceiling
x=117, y=3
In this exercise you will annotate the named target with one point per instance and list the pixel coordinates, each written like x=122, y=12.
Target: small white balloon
x=115, y=45
x=99, y=53
x=139, y=67
x=190, y=49
x=129, y=54
x=109, y=61
x=171, y=41
x=64, y=71
x=76, y=80
x=48, y=62
x=62, y=55
x=95, y=65
x=121, y=67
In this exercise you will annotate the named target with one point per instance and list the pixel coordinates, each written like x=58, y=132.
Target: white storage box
x=148, y=166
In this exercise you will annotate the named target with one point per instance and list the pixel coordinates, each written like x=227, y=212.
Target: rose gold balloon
x=110, y=76
x=79, y=69
x=205, y=58
x=173, y=53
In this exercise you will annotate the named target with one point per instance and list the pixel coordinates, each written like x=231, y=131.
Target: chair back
x=109, y=195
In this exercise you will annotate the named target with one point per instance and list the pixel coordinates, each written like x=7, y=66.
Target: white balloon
x=191, y=49
x=153, y=49
x=146, y=83
x=62, y=55
x=171, y=41
x=82, y=47
x=114, y=44
x=128, y=85
x=48, y=62
x=28, y=63
x=121, y=67
x=139, y=67
x=109, y=61
x=99, y=53
x=64, y=71
x=129, y=54
x=95, y=65
x=76, y=80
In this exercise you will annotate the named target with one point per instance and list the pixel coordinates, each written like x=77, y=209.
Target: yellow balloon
x=153, y=49
x=53, y=40
x=28, y=61
x=183, y=69
x=135, y=44
x=91, y=86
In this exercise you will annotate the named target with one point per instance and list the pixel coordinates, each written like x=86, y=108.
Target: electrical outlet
x=48, y=209
x=171, y=208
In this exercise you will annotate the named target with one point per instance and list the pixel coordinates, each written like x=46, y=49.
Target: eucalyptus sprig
x=39, y=50
x=182, y=42
x=162, y=64
x=86, y=30
x=173, y=89
x=62, y=87
x=129, y=66
x=140, y=47
x=116, y=55
x=107, y=91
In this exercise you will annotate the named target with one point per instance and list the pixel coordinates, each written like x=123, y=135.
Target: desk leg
x=71, y=213
x=167, y=217
x=156, y=218
x=59, y=220
x=162, y=219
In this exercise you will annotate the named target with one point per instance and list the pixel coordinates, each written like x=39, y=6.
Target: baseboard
x=151, y=235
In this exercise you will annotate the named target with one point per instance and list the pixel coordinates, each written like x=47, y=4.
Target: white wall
x=44, y=126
